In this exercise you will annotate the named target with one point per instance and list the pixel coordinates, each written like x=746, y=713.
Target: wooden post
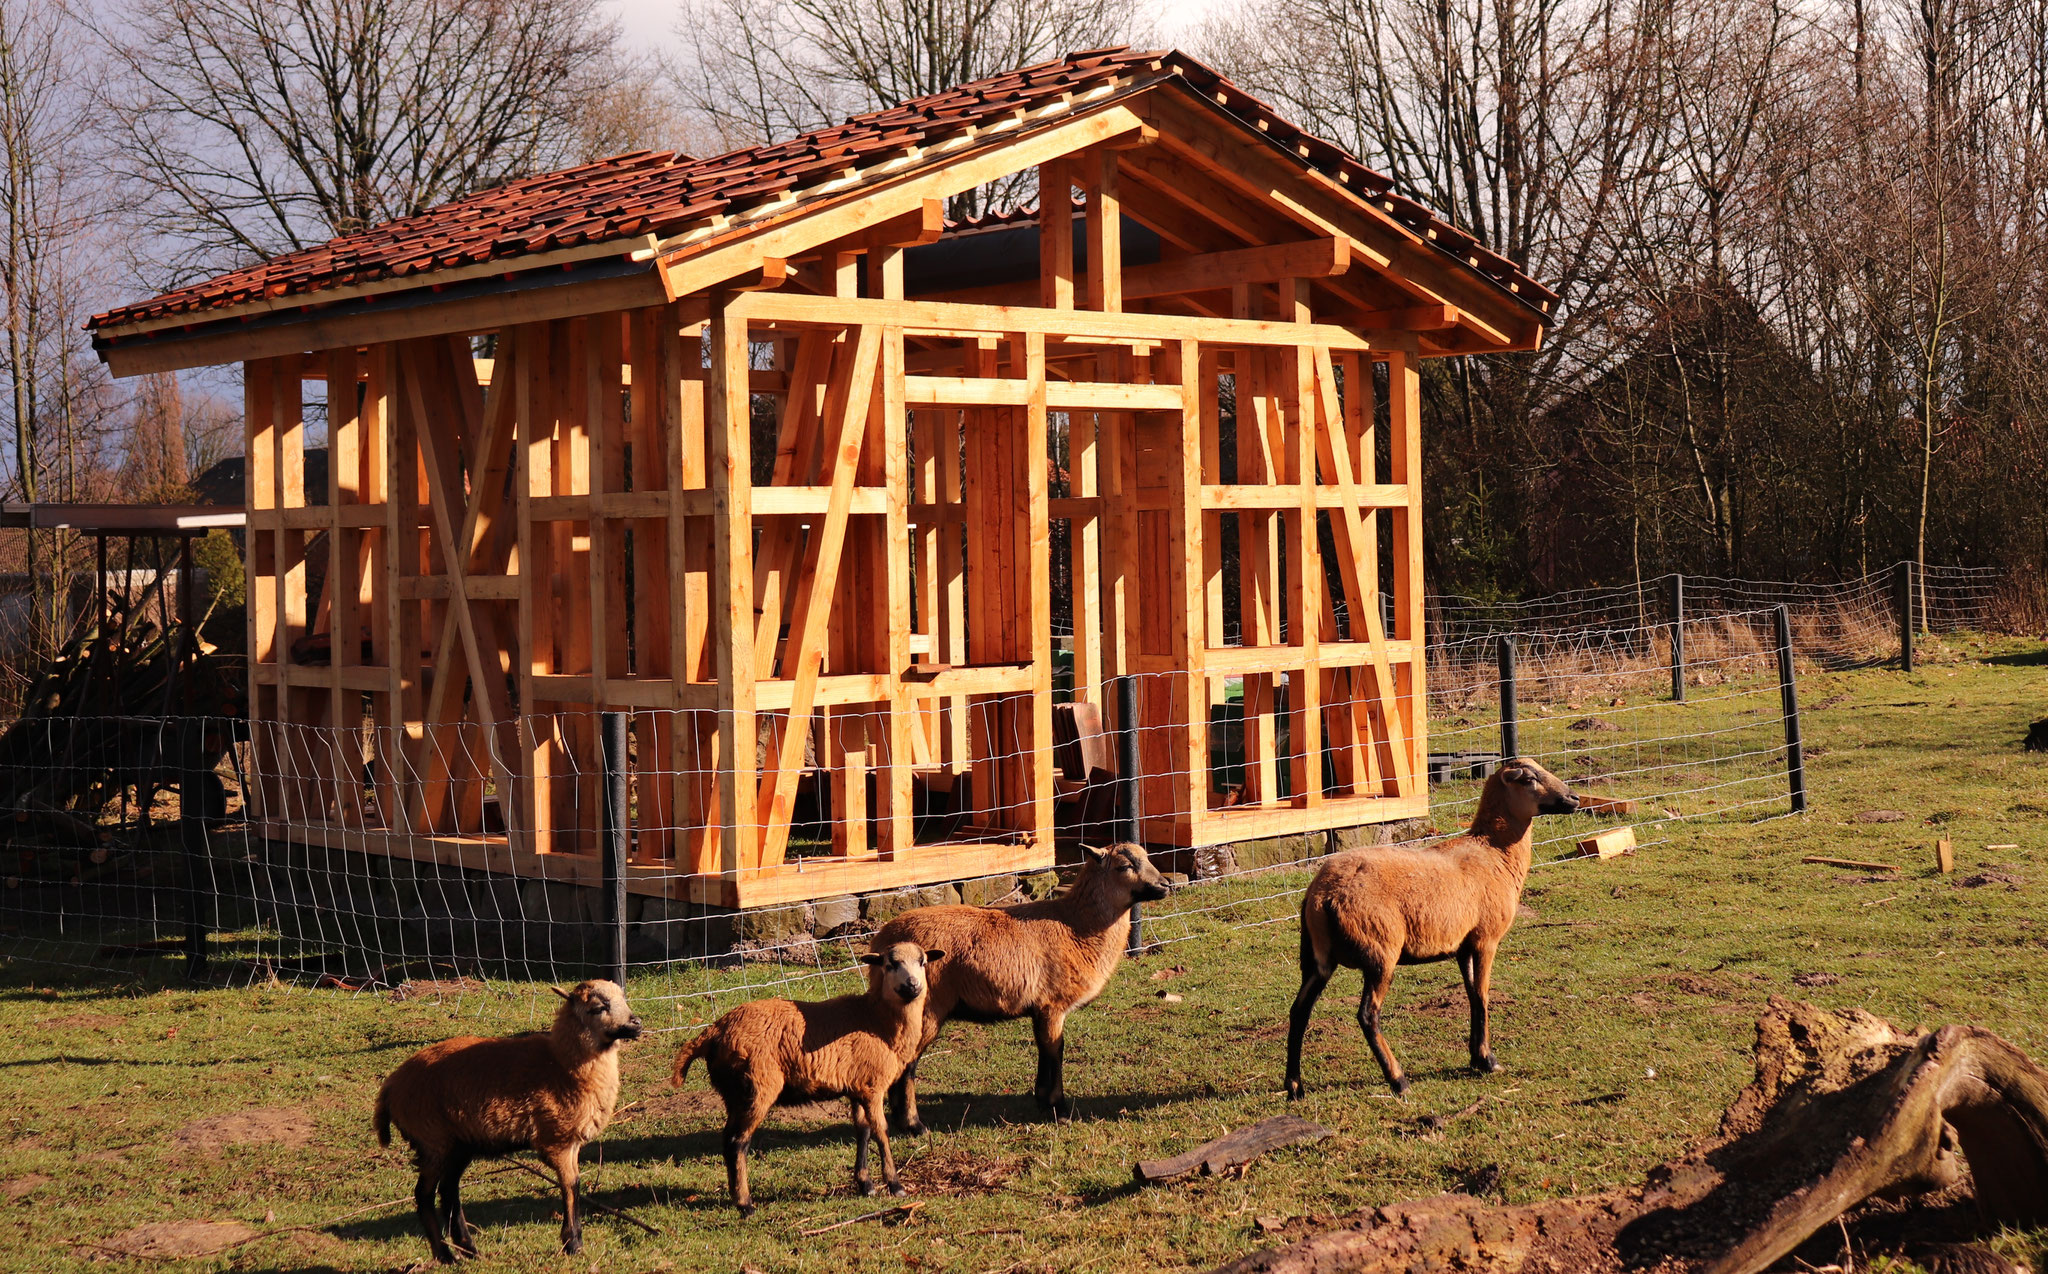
x=1678, y=639
x=728, y=405
x=1795, y=759
x=191, y=812
x=1510, y=727
x=1902, y=594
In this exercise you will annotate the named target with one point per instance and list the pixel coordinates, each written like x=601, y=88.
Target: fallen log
x=1843, y=1108
x=1857, y=863
x=1232, y=1149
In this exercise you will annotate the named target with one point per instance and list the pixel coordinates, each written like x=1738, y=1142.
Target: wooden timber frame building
x=550, y=473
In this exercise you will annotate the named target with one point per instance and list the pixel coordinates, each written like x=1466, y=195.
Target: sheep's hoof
x=573, y=1246
x=896, y=1189
x=1400, y=1086
x=1485, y=1064
x=913, y=1128
x=1295, y=1090
x=746, y=1210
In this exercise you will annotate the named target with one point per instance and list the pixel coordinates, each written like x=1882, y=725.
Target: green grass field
x=1623, y=1016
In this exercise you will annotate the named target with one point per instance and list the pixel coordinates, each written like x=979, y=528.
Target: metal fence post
x=1902, y=592
x=1510, y=725
x=1127, y=781
x=192, y=842
x=1795, y=756
x=613, y=728
x=191, y=804
x=1678, y=639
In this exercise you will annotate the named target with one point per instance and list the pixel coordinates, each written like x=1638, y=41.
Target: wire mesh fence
x=127, y=839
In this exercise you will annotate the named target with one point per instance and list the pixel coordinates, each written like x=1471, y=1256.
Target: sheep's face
x=1532, y=790
x=599, y=1011
x=1133, y=872
x=899, y=969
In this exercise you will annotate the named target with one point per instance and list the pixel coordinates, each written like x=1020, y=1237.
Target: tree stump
x=1843, y=1108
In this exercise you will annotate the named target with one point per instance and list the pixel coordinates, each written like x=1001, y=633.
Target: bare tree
x=56, y=395
x=761, y=70
x=252, y=127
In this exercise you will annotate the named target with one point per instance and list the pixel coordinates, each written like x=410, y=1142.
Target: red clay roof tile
x=662, y=193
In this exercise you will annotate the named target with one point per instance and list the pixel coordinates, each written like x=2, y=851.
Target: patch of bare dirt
x=434, y=988
x=176, y=1240
x=1879, y=816
x=256, y=1127
x=15, y=1187
x=689, y=1106
x=1452, y=1003
x=1821, y=978
x=83, y=1022
x=956, y=1172
x=1589, y=725
x=1991, y=876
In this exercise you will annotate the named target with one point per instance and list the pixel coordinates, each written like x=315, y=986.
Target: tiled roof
x=663, y=194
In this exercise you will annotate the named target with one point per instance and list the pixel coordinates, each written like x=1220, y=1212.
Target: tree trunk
x=1843, y=1108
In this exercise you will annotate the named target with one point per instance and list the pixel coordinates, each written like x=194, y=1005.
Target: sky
x=650, y=24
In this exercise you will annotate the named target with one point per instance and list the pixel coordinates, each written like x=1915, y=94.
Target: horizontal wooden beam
x=1284, y=496
x=1070, y=395
x=359, y=326
x=997, y=320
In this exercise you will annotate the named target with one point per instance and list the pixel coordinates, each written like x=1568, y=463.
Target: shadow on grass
x=2021, y=659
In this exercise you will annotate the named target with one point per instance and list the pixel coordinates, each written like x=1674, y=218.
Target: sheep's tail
x=690, y=1052
x=383, y=1117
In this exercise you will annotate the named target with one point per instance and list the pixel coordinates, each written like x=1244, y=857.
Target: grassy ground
x=1624, y=1011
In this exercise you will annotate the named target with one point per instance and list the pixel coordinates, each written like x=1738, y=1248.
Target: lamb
x=1373, y=908
x=1043, y=960
x=854, y=1046
x=469, y=1098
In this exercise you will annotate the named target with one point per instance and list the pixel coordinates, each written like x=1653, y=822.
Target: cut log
x=1242, y=1146
x=1945, y=855
x=1843, y=1108
x=1612, y=843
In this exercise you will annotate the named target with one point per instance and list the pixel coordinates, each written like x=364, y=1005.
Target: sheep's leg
x=1314, y=977
x=861, y=1182
x=563, y=1161
x=1378, y=978
x=880, y=1125
x=1049, y=1028
x=453, y=1222
x=1476, y=963
x=741, y=1121
x=423, y=1203
x=903, y=1093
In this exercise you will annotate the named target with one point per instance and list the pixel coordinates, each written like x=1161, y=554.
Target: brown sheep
x=1373, y=908
x=780, y=1051
x=1043, y=960
x=470, y=1098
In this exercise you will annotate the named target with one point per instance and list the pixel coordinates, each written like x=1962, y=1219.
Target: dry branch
x=1232, y=1149
x=1843, y=1108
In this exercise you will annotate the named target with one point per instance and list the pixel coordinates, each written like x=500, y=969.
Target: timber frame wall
x=572, y=525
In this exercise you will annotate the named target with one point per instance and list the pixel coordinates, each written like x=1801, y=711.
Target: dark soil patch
x=1879, y=816
x=177, y=1240
x=258, y=1127
x=1816, y=979
x=957, y=1172
x=1588, y=725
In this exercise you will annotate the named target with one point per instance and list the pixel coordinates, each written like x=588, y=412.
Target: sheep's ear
x=933, y=957
x=1094, y=854
x=559, y=991
x=872, y=957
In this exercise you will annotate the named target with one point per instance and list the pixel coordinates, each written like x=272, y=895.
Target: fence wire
x=362, y=887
